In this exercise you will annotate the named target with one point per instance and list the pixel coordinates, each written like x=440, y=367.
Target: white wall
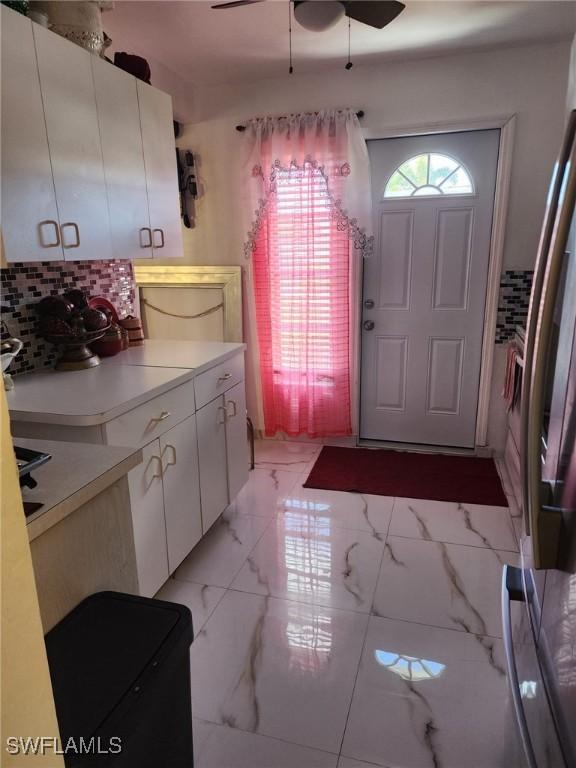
x=529, y=81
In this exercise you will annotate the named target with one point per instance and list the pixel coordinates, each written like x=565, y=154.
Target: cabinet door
x=210, y=422
x=74, y=142
x=156, y=120
x=236, y=439
x=122, y=153
x=179, y=451
x=29, y=215
x=147, y=502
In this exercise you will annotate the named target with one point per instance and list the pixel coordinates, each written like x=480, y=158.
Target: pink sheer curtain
x=301, y=252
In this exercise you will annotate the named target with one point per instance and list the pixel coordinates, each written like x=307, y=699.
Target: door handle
x=149, y=243
x=368, y=325
x=225, y=377
x=234, y=407
x=161, y=238
x=369, y=304
x=42, y=224
x=512, y=590
x=76, y=232
x=545, y=523
x=224, y=414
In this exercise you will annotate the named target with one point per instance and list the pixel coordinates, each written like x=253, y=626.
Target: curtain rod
x=359, y=115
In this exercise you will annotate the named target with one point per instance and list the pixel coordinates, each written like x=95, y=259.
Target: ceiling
x=208, y=47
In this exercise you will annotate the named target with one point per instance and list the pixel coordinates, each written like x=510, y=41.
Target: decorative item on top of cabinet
x=79, y=22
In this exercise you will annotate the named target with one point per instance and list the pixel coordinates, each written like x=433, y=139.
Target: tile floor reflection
x=341, y=630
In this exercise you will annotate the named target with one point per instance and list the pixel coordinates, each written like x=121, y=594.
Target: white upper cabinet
x=161, y=172
x=30, y=226
x=74, y=141
x=88, y=154
x=119, y=121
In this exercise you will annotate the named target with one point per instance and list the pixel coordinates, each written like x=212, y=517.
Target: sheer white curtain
x=307, y=195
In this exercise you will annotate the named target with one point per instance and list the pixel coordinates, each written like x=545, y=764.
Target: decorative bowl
x=76, y=355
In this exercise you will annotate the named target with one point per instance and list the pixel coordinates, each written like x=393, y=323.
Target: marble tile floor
x=340, y=630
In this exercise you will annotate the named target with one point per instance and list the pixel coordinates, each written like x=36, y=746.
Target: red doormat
x=437, y=477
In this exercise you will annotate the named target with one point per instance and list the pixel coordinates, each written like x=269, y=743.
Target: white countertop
x=97, y=395
x=89, y=397
x=76, y=473
x=163, y=353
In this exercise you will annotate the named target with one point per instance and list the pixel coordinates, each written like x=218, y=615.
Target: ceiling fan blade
x=375, y=13
x=236, y=3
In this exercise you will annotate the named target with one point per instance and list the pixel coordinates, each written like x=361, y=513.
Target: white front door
x=425, y=287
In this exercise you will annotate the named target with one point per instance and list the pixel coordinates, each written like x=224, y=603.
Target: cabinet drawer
x=219, y=379
x=149, y=420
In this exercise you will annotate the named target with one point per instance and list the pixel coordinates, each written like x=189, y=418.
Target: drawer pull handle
x=224, y=414
x=225, y=377
x=164, y=415
x=234, y=409
x=170, y=463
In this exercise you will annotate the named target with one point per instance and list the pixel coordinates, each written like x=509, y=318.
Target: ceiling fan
x=319, y=15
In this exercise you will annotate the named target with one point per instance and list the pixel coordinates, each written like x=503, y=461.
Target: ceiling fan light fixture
x=318, y=15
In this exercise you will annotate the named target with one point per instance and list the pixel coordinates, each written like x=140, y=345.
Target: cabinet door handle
x=76, y=232
x=225, y=377
x=164, y=415
x=158, y=474
x=149, y=232
x=234, y=409
x=224, y=414
x=161, y=238
x=56, y=242
x=169, y=463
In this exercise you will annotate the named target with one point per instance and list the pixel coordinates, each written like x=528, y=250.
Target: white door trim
x=506, y=124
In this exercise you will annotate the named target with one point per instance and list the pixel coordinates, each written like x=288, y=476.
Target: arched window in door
x=427, y=175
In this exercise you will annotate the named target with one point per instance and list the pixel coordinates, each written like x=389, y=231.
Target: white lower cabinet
x=148, y=522
x=223, y=451
x=211, y=424
x=236, y=439
x=179, y=452
x=194, y=463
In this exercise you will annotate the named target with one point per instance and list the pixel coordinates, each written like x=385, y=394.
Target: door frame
x=506, y=124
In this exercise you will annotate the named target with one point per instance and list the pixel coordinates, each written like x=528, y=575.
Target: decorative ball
x=57, y=306
x=78, y=298
x=94, y=320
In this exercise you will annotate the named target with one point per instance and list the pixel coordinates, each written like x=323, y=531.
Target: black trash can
x=120, y=669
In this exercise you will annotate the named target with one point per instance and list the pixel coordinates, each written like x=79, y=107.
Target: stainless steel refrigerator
x=539, y=598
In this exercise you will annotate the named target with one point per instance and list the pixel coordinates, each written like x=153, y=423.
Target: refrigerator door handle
x=544, y=526
x=529, y=487
x=512, y=590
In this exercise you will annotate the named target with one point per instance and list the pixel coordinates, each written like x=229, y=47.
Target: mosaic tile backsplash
x=24, y=284
x=515, y=287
